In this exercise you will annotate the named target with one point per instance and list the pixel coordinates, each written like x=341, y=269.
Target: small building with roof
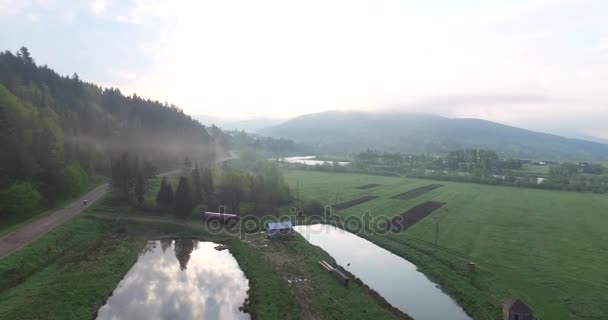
x=279, y=230
x=515, y=309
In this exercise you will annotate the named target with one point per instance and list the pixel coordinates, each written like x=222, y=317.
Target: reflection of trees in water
x=150, y=245
x=183, y=249
x=165, y=244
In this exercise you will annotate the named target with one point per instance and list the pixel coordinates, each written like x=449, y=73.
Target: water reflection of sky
x=211, y=286
x=393, y=277
x=310, y=160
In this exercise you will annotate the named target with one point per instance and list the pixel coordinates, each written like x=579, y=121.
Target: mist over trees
x=57, y=133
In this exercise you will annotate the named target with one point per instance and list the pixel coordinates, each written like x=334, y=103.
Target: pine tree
x=164, y=198
x=197, y=196
x=207, y=182
x=183, y=199
x=140, y=189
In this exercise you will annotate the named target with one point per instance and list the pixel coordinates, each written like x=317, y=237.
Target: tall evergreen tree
x=207, y=182
x=140, y=189
x=120, y=176
x=164, y=198
x=197, y=196
x=183, y=199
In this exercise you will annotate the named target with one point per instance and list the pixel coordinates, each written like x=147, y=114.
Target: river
x=311, y=160
x=397, y=280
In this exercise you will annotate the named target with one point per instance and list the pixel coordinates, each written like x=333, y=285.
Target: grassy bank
x=549, y=248
x=66, y=273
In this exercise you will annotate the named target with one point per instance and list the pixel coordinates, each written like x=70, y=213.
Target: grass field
x=549, y=248
x=541, y=171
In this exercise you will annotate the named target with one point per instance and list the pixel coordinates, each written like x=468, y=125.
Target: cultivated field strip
x=415, y=214
x=354, y=202
x=417, y=192
x=368, y=186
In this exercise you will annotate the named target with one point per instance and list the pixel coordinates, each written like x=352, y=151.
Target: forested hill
x=348, y=131
x=57, y=131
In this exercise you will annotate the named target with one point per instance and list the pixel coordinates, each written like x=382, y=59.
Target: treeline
x=58, y=132
x=466, y=160
x=199, y=187
x=577, y=183
x=269, y=147
x=475, y=166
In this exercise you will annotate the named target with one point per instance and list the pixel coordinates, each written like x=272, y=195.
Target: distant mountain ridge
x=352, y=131
x=249, y=125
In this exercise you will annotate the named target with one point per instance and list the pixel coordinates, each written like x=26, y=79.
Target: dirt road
x=32, y=231
x=36, y=229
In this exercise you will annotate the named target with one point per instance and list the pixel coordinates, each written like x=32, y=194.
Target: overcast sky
x=538, y=64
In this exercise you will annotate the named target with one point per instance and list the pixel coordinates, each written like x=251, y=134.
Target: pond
x=394, y=278
x=311, y=160
x=179, y=279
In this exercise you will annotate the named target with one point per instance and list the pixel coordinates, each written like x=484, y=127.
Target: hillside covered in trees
x=57, y=132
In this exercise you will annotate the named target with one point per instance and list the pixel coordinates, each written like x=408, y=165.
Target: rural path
x=36, y=229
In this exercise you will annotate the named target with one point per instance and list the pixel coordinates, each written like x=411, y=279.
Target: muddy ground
x=415, y=214
x=417, y=192
x=354, y=202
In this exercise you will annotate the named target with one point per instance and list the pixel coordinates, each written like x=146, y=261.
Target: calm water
x=179, y=279
x=393, y=277
x=310, y=160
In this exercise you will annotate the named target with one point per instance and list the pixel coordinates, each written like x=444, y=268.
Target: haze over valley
x=386, y=159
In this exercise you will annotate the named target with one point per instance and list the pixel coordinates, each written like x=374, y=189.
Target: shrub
x=19, y=201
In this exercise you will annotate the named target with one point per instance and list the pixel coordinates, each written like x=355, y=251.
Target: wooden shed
x=515, y=309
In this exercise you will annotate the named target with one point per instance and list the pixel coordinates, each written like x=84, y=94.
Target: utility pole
x=437, y=226
x=436, y=232
x=298, y=192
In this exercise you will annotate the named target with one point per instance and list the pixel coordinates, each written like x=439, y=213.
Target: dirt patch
x=354, y=202
x=368, y=186
x=415, y=214
x=416, y=192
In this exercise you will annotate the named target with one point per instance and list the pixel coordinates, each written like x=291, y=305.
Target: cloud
x=15, y=7
x=124, y=74
x=98, y=6
x=32, y=17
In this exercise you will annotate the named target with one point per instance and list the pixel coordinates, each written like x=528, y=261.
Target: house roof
x=516, y=305
x=279, y=225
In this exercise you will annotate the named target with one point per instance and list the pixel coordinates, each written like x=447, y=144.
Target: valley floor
x=548, y=248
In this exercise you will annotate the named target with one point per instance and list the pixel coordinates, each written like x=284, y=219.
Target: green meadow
x=548, y=248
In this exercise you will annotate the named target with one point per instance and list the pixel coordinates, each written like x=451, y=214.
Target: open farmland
x=549, y=248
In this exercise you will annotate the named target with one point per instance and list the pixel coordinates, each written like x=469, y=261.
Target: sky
x=537, y=64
